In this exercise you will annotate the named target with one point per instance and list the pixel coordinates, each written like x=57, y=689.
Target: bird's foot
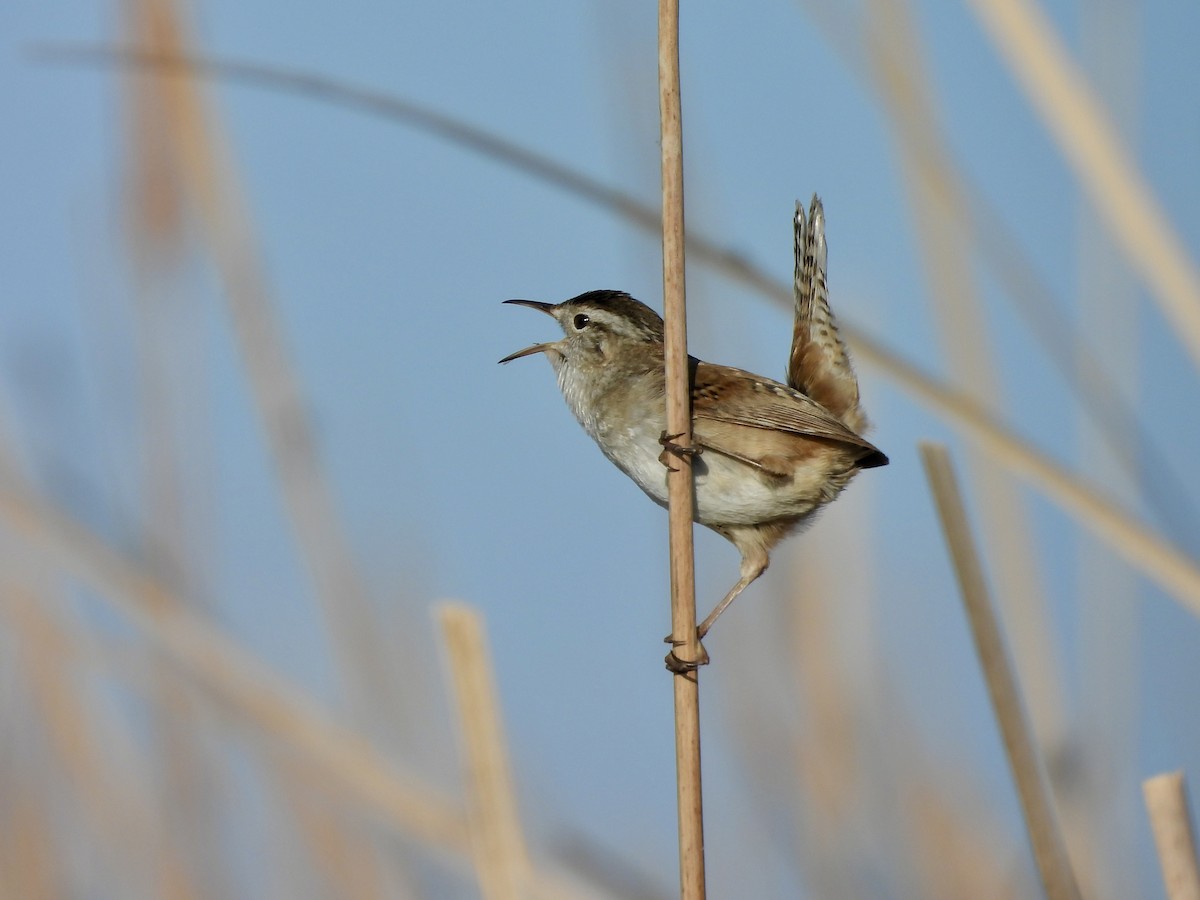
x=683, y=666
x=670, y=448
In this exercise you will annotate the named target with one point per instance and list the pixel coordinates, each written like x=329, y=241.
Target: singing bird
x=767, y=455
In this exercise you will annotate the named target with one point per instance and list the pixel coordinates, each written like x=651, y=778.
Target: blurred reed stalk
x=174, y=541
x=1049, y=849
x=1167, y=805
x=497, y=839
x=679, y=475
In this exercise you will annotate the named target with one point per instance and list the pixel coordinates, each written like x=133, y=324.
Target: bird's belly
x=728, y=492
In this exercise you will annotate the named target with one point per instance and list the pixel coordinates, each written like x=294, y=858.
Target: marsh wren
x=768, y=455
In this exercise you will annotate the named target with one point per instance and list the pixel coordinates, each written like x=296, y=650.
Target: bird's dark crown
x=646, y=323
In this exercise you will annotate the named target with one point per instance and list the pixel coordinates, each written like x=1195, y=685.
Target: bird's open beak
x=529, y=351
x=548, y=309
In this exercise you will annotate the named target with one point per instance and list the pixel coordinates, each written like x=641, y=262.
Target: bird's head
x=597, y=327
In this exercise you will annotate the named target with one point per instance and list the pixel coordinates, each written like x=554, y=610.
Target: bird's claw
x=670, y=448
x=684, y=666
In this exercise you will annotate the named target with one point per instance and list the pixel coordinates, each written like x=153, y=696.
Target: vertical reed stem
x=679, y=481
x=1167, y=806
x=497, y=840
x=1049, y=849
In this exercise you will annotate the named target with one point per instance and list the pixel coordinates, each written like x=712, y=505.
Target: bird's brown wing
x=819, y=365
x=764, y=423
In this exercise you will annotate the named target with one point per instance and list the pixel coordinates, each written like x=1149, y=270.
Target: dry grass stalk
x=1170, y=818
x=1049, y=849
x=680, y=481
x=1075, y=118
x=497, y=840
x=158, y=238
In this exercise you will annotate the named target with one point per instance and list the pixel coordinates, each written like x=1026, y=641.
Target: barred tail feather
x=819, y=365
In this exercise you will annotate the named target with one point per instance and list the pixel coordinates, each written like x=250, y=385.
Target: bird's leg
x=754, y=563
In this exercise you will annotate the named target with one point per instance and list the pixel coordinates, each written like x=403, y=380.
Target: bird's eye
x=581, y=322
